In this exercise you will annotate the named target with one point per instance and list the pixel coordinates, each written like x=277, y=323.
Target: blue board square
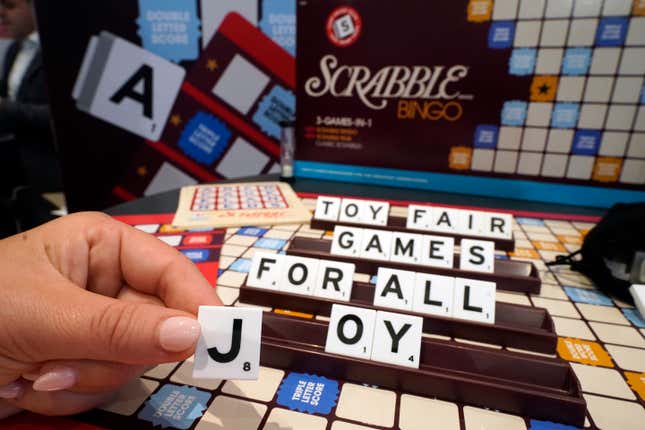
x=548, y=425
x=565, y=115
x=241, y=265
x=588, y=296
x=612, y=31
x=162, y=407
x=252, y=231
x=522, y=62
x=643, y=95
x=196, y=255
x=576, y=61
x=635, y=317
x=267, y=243
x=486, y=136
x=308, y=393
x=514, y=112
x=586, y=142
x=529, y=221
x=501, y=34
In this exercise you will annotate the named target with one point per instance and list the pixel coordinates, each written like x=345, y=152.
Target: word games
x=234, y=205
x=417, y=249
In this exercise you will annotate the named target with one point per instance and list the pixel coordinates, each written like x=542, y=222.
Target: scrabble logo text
x=376, y=88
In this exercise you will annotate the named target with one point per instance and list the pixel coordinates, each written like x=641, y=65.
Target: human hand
x=86, y=304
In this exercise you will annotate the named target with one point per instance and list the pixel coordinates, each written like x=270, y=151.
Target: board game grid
x=602, y=338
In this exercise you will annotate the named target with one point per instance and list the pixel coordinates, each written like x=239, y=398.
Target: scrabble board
x=603, y=340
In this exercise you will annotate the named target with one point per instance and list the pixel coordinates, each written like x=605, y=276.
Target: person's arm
x=88, y=303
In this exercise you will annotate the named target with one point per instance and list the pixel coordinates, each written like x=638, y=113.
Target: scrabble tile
x=299, y=275
x=161, y=371
x=476, y=419
x=438, y=251
x=375, y=213
x=351, y=210
x=414, y=413
x=130, y=397
x=354, y=398
x=419, y=217
x=406, y=248
x=444, y=220
x=347, y=241
x=433, y=294
x=477, y=255
x=599, y=380
x=227, y=412
x=284, y=419
x=614, y=414
x=229, y=345
x=334, y=280
x=620, y=335
x=327, y=208
x=567, y=327
x=184, y=376
x=397, y=339
x=351, y=331
x=394, y=289
x=471, y=223
x=474, y=300
x=376, y=244
x=628, y=358
x=263, y=389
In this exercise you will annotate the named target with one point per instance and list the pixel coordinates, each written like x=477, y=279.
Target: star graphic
x=544, y=89
x=211, y=65
x=175, y=120
x=142, y=171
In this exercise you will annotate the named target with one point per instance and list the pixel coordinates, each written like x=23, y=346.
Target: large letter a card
x=125, y=85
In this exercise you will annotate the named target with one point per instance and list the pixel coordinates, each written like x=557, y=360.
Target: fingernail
x=57, y=379
x=179, y=333
x=11, y=391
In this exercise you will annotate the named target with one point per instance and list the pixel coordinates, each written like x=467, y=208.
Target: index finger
x=119, y=254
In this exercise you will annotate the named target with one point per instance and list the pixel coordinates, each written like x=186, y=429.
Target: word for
x=300, y=275
x=428, y=294
x=418, y=249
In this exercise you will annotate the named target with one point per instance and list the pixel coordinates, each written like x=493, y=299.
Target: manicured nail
x=57, y=379
x=11, y=391
x=179, y=333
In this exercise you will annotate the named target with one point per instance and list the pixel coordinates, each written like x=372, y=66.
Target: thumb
x=78, y=324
